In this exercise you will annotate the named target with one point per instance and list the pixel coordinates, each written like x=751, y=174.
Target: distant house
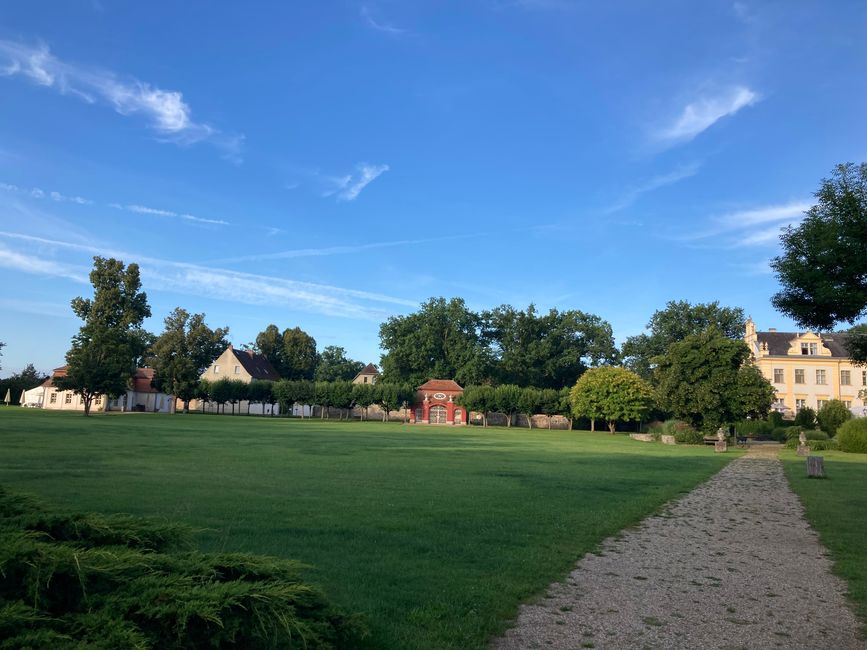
x=435, y=403
x=368, y=375
x=140, y=396
x=242, y=365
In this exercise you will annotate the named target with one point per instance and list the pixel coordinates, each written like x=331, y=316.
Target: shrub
x=122, y=582
x=852, y=436
x=776, y=419
x=781, y=434
x=813, y=434
x=832, y=415
x=814, y=445
x=754, y=428
x=806, y=418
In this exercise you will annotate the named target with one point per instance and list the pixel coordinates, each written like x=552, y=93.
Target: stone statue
x=802, y=438
x=803, y=449
x=721, y=434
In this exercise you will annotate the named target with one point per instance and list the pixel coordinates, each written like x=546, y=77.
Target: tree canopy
x=823, y=268
x=334, y=365
x=106, y=349
x=678, y=320
x=611, y=394
x=292, y=352
x=703, y=380
x=183, y=351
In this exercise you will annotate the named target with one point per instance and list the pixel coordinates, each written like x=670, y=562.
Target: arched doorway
x=437, y=414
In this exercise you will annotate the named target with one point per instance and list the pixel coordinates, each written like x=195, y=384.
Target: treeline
x=342, y=395
x=511, y=400
x=20, y=381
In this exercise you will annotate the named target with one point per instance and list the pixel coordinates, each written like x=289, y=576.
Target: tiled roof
x=256, y=364
x=441, y=384
x=779, y=343
x=57, y=373
x=369, y=369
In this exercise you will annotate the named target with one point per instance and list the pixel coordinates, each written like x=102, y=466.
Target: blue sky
x=330, y=164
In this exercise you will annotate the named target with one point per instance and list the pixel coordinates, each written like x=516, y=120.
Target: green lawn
x=436, y=534
x=837, y=508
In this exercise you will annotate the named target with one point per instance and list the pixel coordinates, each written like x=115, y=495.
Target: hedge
x=852, y=436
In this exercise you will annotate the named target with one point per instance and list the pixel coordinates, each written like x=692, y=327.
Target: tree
x=564, y=406
x=203, y=392
x=258, y=392
x=221, y=391
x=17, y=383
x=832, y=414
x=334, y=365
x=547, y=350
x=341, y=396
x=363, y=396
x=507, y=399
x=389, y=396
x=104, y=352
x=528, y=403
x=823, y=269
x=613, y=394
x=481, y=399
x=755, y=393
x=700, y=380
x=442, y=339
x=299, y=354
x=549, y=403
x=805, y=418
x=183, y=352
x=238, y=393
x=678, y=320
x=269, y=343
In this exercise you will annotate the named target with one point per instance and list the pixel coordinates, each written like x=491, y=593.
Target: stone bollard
x=815, y=467
x=720, y=446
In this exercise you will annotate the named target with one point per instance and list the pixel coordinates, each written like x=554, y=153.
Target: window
x=67, y=398
x=845, y=377
x=97, y=400
x=53, y=398
x=778, y=376
x=820, y=403
x=800, y=403
x=820, y=377
x=237, y=370
x=779, y=403
x=216, y=370
x=847, y=403
x=809, y=348
x=365, y=379
x=864, y=377
x=799, y=375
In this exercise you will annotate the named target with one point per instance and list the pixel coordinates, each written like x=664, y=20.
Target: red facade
x=435, y=403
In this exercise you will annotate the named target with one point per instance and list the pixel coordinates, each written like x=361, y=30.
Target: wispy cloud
x=160, y=212
x=219, y=284
x=752, y=227
x=367, y=13
x=704, y=112
x=633, y=194
x=165, y=110
x=39, y=193
x=344, y=250
x=348, y=187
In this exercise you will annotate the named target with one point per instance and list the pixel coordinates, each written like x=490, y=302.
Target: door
x=437, y=414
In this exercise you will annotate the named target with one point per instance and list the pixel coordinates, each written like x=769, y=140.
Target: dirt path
x=731, y=565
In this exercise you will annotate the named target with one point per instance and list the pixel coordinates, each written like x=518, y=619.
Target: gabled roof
x=57, y=373
x=369, y=369
x=256, y=364
x=778, y=343
x=441, y=384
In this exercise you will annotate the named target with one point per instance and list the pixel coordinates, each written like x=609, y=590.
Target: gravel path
x=733, y=564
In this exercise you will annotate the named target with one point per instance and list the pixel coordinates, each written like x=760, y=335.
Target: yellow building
x=808, y=369
x=242, y=365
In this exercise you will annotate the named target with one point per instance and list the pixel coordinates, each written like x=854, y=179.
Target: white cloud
x=220, y=284
x=33, y=265
x=348, y=187
x=218, y=222
x=165, y=110
x=367, y=15
x=159, y=212
x=753, y=227
x=701, y=114
x=633, y=194
x=38, y=193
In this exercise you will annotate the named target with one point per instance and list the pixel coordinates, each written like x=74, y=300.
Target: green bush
x=852, y=436
x=814, y=445
x=806, y=418
x=75, y=581
x=776, y=419
x=754, y=428
x=832, y=415
x=781, y=434
x=814, y=434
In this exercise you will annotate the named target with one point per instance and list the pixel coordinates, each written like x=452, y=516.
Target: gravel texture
x=733, y=564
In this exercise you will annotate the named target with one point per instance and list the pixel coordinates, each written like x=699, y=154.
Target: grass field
x=436, y=534
x=837, y=508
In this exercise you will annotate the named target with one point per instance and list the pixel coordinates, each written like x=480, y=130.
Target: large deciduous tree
x=703, y=380
x=678, y=320
x=441, y=340
x=546, y=350
x=105, y=351
x=823, y=268
x=28, y=378
x=612, y=394
x=183, y=351
x=299, y=354
x=334, y=365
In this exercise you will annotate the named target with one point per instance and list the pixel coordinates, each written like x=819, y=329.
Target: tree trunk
x=549, y=422
x=86, y=405
x=529, y=421
x=508, y=420
x=612, y=425
x=593, y=424
x=485, y=419
x=186, y=406
x=571, y=423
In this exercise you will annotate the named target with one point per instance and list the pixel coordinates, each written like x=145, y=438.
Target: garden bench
x=743, y=441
